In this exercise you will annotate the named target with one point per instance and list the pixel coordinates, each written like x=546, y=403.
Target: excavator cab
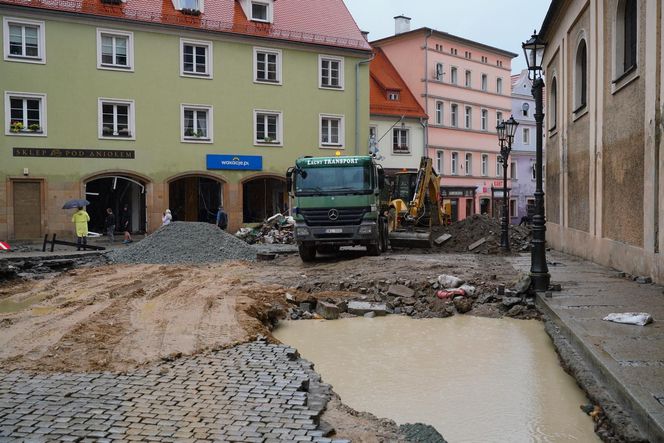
x=415, y=207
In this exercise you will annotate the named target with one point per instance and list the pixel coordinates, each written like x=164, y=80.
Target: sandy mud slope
x=121, y=316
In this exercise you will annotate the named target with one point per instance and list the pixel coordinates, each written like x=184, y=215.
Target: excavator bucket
x=411, y=239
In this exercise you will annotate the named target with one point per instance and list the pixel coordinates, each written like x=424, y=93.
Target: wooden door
x=27, y=210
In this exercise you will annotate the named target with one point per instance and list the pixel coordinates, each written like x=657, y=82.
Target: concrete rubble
x=277, y=229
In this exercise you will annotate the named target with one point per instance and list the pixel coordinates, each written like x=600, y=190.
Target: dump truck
x=338, y=201
x=415, y=207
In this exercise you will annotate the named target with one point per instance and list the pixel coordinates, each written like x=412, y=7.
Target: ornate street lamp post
x=539, y=272
x=506, y=131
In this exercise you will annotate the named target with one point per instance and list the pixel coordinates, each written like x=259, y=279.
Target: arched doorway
x=195, y=198
x=115, y=191
x=263, y=197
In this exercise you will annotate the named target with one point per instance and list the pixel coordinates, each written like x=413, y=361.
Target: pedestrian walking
x=125, y=224
x=166, y=217
x=222, y=218
x=80, y=220
x=109, y=224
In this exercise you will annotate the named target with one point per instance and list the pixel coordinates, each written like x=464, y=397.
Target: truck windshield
x=341, y=180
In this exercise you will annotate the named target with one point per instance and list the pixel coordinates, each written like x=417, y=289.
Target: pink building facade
x=465, y=88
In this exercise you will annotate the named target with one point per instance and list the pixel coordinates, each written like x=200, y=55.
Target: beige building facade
x=604, y=159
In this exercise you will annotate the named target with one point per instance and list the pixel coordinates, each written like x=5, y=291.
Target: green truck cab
x=338, y=201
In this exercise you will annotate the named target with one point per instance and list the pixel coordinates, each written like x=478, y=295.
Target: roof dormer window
x=393, y=95
x=194, y=7
x=259, y=11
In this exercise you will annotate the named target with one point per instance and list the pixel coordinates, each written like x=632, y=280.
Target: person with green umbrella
x=80, y=220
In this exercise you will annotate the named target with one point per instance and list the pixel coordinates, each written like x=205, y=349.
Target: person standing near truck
x=80, y=220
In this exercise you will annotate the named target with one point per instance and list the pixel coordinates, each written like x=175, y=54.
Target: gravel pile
x=185, y=242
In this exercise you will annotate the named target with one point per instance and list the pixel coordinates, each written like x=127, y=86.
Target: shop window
x=262, y=198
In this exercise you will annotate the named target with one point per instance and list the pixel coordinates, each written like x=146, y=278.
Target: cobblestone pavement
x=256, y=392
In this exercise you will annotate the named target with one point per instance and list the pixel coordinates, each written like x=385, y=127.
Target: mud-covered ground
x=119, y=317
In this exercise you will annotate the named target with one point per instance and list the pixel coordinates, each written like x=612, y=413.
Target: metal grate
x=321, y=216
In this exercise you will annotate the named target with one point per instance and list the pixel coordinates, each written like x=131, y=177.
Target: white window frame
x=278, y=53
x=208, y=58
x=485, y=83
x=499, y=85
x=454, y=75
x=513, y=171
x=210, y=119
x=526, y=136
x=468, y=163
x=454, y=115
x=499, y=117
x=280, y=127
x=440, y=112
x=484, y=119
x=341, y=60
x=454, y=164
x=131, y=118
x=41, y=58
x=440, y=161
x=42, y=113
x=499, y=167
x=468, y=117
x=342, y=131
x=468, y=78
x=485, y=165
x=513, y=204
x=407, y=130
x=130, y=50
x=270, y=12
x=440, y=73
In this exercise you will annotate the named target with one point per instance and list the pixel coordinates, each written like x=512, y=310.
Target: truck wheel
x=385, y=236
x=374, y=249
x=307, y=252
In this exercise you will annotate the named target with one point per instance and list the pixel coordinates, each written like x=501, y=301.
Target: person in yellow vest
x=80, y=220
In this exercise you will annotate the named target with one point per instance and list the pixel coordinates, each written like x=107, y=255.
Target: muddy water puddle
x=474, y=379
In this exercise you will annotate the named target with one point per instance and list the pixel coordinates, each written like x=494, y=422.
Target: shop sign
x=235, y=162
x=73, y=153
x=457, y=192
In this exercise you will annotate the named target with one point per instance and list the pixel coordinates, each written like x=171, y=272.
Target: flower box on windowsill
x=123, y=133
x=193, y=12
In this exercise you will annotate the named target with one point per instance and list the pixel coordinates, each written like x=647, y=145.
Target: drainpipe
x=357, y=102
x=425, y=151
x=426, y=91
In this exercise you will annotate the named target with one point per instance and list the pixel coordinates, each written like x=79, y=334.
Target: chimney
x=365, y=34
x=401, y=24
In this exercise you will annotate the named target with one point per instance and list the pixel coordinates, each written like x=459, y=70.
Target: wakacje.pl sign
x=241, y=162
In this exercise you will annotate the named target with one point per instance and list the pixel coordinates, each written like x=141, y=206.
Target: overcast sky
x=504, y=24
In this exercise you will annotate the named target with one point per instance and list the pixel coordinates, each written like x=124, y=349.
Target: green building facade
x=160, y=115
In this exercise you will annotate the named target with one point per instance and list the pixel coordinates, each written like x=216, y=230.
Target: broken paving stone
x=442, y=239
x=449, y=281
x=371, y=314
x=463, y=304
x=362, y=307
x=327, y=310
x=508, y=302
x=477, y=244
x=400, y=291
x=523, y=284
x=515, y=310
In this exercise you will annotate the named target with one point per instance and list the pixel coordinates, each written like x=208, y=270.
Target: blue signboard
x=241, y=162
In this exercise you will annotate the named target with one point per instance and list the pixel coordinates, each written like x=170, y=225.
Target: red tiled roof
x=384, y=77
x=322, y=22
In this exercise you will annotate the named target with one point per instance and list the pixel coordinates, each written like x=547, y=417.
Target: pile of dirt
x=477, y=227
x=185, y=242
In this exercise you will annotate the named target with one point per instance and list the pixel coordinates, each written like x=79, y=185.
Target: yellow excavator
x=415, y=207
